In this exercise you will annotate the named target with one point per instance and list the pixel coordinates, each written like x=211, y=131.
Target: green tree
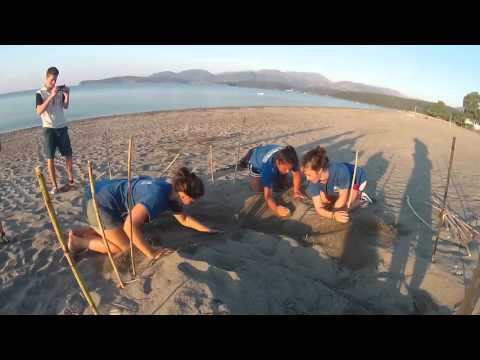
x=439, y=109
x=471, y=105
x=458, y=118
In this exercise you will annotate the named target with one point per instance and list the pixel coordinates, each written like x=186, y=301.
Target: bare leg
x=355, y=200
x=69, y=163
x=51, y=172
x=117, y=240
x=256, y=184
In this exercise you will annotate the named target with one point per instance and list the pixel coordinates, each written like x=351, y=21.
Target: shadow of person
x=368, y=230
x=256, y=273
x=415, y=234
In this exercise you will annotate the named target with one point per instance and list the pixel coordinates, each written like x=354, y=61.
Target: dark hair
x=288, y=155
x=189, y=183
x=316, y=159
x=53, y=71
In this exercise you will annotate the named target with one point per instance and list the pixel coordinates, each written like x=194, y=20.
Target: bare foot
x=72, y=246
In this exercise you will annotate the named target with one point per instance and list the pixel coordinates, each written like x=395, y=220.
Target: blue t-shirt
x=152, y=193
x=339, y=178
x=262, y=162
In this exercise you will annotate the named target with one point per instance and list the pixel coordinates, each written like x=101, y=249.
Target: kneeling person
x=150, y=197
x=330, y=184
x=269, y=167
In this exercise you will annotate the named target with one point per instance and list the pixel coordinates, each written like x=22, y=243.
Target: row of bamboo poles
x=58, y=231
x=461, y=230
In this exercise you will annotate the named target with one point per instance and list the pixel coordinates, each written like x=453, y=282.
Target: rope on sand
x=418, y=216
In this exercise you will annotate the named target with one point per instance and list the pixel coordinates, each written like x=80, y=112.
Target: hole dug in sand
x=353, y=244
x=262, y=265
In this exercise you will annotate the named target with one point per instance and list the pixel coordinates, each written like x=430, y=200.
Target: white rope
x=418, y=216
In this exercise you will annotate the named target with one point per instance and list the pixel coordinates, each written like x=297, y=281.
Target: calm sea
x=17, y=110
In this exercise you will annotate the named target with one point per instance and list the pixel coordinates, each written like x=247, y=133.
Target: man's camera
x=60, y=88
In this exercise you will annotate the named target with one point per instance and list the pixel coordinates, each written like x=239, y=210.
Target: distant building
x=474, y=123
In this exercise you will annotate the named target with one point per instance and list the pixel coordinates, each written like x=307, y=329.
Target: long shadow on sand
x=414, y=234
x=261, y=264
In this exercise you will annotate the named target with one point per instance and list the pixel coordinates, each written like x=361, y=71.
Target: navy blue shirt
x=152, y=193
x=339, y=178
x=262, y=162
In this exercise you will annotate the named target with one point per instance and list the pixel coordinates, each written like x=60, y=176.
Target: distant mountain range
x=265, y=79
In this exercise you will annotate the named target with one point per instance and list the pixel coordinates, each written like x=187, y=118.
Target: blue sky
x=426, y=72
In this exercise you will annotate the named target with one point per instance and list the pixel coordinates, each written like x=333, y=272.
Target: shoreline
x=199, y=109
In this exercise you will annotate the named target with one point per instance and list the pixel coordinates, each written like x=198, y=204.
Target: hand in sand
x=215, y=231
x=299, y=195
x=158, y=253
x=341, y=216
x=282, y=211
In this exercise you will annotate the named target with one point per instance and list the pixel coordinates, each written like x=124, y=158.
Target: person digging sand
x=150, y=197
x=330, y=184
x=269, y=166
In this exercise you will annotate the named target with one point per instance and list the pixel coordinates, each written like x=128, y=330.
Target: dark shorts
x=56, y=138
x=283, y=183
x=109, y=222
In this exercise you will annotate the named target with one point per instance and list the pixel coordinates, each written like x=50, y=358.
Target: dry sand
x=380, y=263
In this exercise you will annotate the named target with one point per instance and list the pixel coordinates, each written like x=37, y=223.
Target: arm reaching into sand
x=139, y=217
x=342, y=200
x=190, y=222
x=278, y=210
x=340, y=216
x=297, y=181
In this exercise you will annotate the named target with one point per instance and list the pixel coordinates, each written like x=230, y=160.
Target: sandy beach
x=377, y=264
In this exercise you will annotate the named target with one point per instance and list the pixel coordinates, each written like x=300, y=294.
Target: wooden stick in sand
x=100, y=224
x=452, y=151
x=58, y=232
x=129, y=201
x=353, y=180
x=211, y=163
x=238, y=149
x=170, y=165
x=471, y=294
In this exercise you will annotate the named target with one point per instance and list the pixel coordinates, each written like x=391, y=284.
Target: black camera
x=60, y=88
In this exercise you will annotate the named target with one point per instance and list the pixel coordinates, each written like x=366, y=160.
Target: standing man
x=51, y=100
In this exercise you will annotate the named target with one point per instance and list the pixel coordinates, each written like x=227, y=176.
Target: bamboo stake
x=100, y=224
x=170, y=165
x=452, y=151
x=460, y=221
x=471, y=294
x=58, y=232
x=353, y=180
x=238, y=149
x=129, y=201
x=211, y=163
